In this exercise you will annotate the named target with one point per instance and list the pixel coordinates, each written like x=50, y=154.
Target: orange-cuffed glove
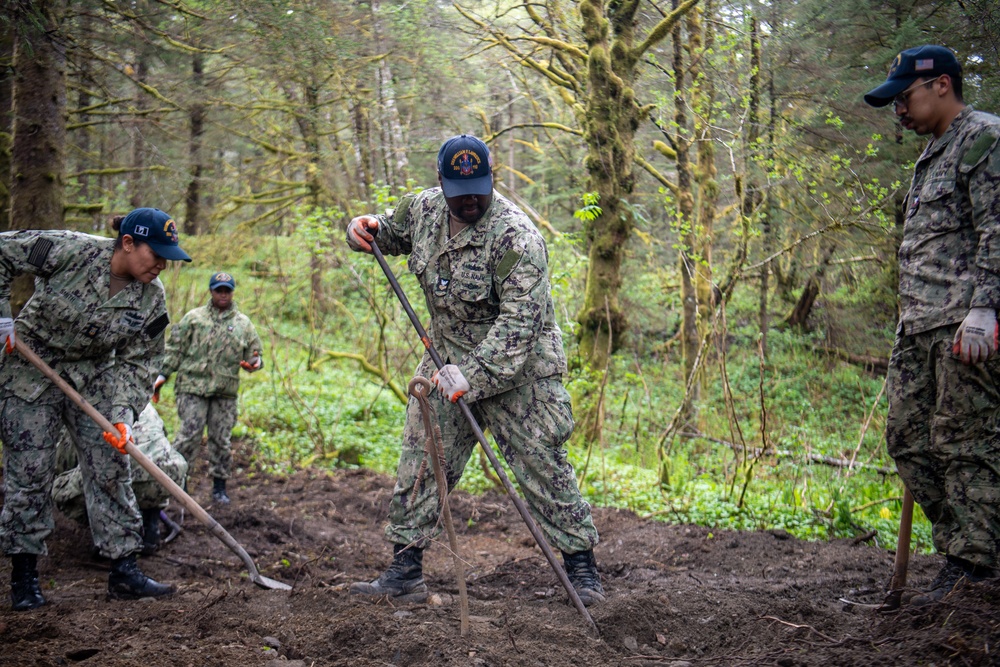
x=976, y=338
x=253, y=364
x=122, y=439
x=361, y=232
x=7, y=334
x=451, y=382
x=160, y=381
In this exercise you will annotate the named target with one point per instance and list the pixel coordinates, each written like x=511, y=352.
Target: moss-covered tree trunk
x=609, y=118
x=39, y=125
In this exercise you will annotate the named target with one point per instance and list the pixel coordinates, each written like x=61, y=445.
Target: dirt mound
x=680, y=596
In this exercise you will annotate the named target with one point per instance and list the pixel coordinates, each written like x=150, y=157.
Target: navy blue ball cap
x=221, y=279
x=153, y=226
x=922, y=62
x=465, y=166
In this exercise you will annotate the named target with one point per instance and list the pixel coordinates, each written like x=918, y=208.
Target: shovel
x=522, y=509
x=895, y=596
x=177, y=492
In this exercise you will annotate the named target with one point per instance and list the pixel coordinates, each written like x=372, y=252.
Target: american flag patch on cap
x=921, y=65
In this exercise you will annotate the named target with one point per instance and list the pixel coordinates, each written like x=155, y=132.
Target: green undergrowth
x=756, y=457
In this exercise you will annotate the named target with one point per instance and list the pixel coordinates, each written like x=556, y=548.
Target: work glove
x=451, y=382
x=159, y=382
x=121, y=439
x=361, y=232
x=976, y=338
x=7, y=334
x=253, y=364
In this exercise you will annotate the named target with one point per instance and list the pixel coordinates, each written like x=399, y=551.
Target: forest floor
x=679, y=596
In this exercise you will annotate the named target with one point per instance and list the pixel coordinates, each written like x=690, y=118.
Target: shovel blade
x=271, y=584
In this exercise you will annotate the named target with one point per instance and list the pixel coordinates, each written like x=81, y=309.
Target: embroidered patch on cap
x=922, y=65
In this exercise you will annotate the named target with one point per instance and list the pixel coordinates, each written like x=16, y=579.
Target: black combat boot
x=127, y=582
x=403, y=581
x=581, y=568
x=150, y=531
x=219, y=491
x=955, y=571
x=24, y=591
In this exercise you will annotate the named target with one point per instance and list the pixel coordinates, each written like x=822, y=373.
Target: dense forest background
x=722, y=212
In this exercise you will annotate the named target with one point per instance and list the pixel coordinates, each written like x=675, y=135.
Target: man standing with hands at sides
x=483, y=268
x=207, y=350
x=943, y=429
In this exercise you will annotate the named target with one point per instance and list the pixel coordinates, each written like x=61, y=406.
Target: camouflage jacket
x=102, y=346
x=206, y=348
x=949, y=260
x=486, y=288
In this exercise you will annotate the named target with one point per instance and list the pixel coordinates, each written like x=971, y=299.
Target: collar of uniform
x=99, y=276
x=221, y=314
x=473, y=235
x=936, y=145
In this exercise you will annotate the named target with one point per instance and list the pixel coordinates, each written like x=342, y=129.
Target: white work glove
x=159, y=382
x=361, y=232
x=976, y=338
x=7, y=334
x=451, y=382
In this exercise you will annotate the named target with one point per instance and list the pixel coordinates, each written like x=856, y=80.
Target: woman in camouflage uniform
x=97, y=317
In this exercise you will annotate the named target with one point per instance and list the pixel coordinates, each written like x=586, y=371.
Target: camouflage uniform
x=100, y=346
x=151, y=440
x=943, y=429
x=487, y=290
x=205, y=351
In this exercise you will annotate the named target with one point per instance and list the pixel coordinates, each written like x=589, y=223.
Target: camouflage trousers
x=530, y=424
x=29, y=432
x=67, y=490
x=219, y=414
x=943, y=431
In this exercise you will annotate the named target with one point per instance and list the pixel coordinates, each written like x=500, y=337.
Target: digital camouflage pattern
x=942, y=427
x=150, y=439
x=487, y=290
x=219, y=414
x=101, y=346
x=205, y=350
x=530, y=424
x=949, y=260
x=28, y=431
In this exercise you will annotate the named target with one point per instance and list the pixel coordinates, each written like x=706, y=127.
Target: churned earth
x=680, y=596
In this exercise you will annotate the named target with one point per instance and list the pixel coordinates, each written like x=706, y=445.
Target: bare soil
x=677, y=595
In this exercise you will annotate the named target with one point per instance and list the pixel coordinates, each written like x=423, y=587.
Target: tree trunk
x=687, y=259
x=800, y=314
x=138, y=182
x=39, y=127
x=192, y=221
x=6, y=119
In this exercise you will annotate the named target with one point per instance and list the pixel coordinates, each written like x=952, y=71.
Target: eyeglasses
x=903, y=99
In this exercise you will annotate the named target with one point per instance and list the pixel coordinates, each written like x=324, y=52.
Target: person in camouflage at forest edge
x=150, y=496
x=483, y=268
x=96, y=317
x=944, y=396
x=207, y=350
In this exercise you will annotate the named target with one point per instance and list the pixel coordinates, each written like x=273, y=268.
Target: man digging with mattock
x=483, y=268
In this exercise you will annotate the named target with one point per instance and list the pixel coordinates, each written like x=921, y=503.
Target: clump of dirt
x=677, y=595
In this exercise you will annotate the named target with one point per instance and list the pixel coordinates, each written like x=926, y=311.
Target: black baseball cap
x=153, y=226
x=465, y=166
x=917, y=63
